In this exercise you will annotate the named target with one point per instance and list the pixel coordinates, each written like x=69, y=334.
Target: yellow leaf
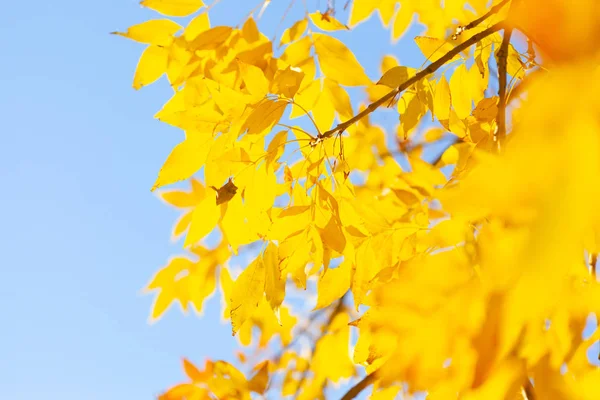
x=237, y=234
x=178, y=63
x=196, y=26
x=156, y=31
x=181, y=225
x=178, y=198
x=246, y=294
x=289, y=222
x=182, y=199
x=333, y=235
x=460, y=89
x=193, y=372
x=211, y=38
x=433, y=48
x=326, y=22
x=305, y=99
x=365, y=267
x=388, y=62
x=173, y=8
x=323, y=111
x=260, y=187
x=274, y=283
x=362, y=9
x=339, y=98
x=250, y=31
x=297, y=52
x=226, y=288
x=396, y=76
x=287, y=82
x=152, y=65
x=169, y=287
x=204, y=219
x=333, y=284
x=486, y=109
x=265, y=114
x=258, y=383
x=276, y=147
x=389, y=393
x=254, y=79
x=441, y=100
x=294, y=32
x=338, y=63
x=294, y=253
x=410, y=116
x=185, y=159
x=331, y=359
x=402, y=20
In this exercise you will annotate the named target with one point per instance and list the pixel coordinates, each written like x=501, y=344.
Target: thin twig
x=493, y=10
x=359, y=387
x=338, y=309
x=304, y=331
x=431, y=68
x=502, y=67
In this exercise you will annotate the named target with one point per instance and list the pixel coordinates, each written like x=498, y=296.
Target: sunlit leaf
x=174, y=8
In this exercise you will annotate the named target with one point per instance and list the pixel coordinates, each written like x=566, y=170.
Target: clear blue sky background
x=81, y=233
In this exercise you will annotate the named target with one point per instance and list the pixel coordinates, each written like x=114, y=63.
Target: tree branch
x=431, y=68
x=479, y=20
x=502, y=67
x=339, y=307
x=359, y=387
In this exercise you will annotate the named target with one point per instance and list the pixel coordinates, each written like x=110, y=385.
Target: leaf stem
x=359, y=387
x=494, y=10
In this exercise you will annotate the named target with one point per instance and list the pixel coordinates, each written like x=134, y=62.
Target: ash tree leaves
x=451, y=250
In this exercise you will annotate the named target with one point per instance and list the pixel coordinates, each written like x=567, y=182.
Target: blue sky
x=81, y=232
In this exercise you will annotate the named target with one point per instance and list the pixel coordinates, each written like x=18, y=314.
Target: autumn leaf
x=326, y=22
x=185, y=159
x=196, y=26
x=337, y=61
x=152, y=65
x=204, y=218
x=157, y=31
x=395, y=76
x=433, y=48
x=174, y=8
x=225, y=192
x=294, y=32
x=247, y=292
x=263, y=116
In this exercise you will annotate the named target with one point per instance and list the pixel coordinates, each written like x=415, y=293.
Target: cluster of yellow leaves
x=219, y=380
x=474, y=283
x=398, y=15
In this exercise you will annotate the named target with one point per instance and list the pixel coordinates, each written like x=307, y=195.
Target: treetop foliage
x=468, y=276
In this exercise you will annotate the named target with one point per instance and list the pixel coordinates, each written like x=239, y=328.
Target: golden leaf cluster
x=467, y=275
